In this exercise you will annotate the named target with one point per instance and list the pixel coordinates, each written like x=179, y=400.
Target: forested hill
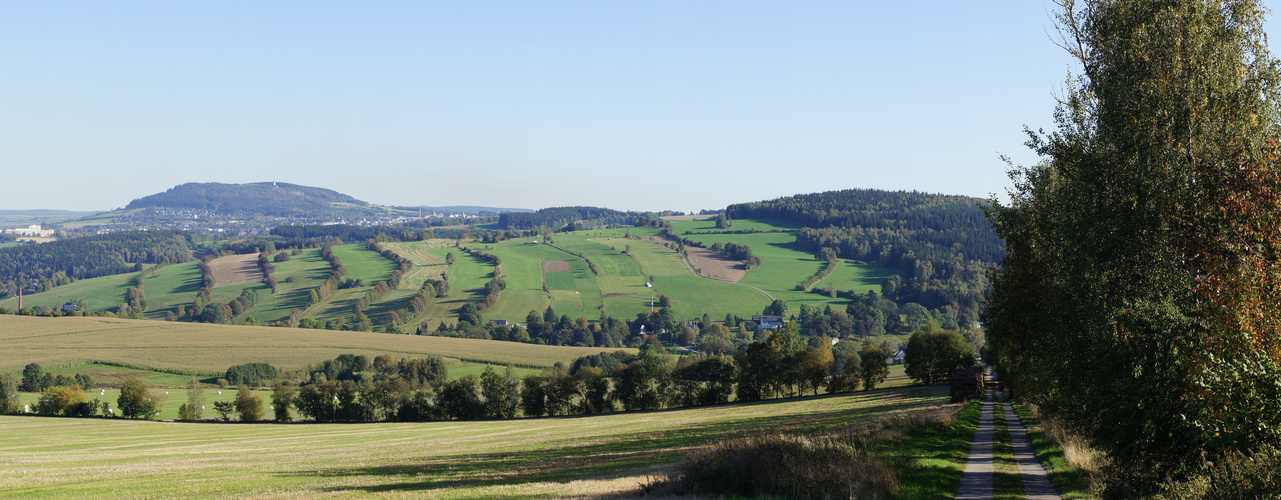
x=868, y=224
x=261, y=198
x=557, y=218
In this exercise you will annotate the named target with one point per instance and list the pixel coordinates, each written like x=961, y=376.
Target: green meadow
x=784, y=265
x=617, y=288
x=102, y=293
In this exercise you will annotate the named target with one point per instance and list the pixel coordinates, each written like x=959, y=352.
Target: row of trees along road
x=1139, y=299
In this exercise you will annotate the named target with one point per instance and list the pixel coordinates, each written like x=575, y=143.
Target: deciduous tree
x=1139, y=297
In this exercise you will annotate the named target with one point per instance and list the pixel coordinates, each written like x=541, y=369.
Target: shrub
x=836, y=463
x=65, y=400
x=1235, y=475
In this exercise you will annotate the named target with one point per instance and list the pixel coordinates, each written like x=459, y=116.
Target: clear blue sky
x=641, y=105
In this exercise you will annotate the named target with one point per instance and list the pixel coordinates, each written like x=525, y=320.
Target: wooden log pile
x=967, y=383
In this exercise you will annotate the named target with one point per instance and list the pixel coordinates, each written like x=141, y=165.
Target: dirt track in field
x=556, y=266
x=235, y=270
x=710, y=264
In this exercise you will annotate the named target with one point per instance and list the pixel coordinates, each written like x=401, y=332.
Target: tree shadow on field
x=601, y=458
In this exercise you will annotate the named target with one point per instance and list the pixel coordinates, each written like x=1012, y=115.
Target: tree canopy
x=1138, y=299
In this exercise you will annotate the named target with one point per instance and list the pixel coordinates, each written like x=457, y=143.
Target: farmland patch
x=556, y=266
x=603, y=456
x=235, y=270
x=211, y=349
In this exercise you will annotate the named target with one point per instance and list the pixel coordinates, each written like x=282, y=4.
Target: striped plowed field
x=235, y=270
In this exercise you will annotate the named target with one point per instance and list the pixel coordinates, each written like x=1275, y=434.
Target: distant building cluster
x=32, y=230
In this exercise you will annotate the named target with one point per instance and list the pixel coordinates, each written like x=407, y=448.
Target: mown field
x=586, y=457
x=211, y=349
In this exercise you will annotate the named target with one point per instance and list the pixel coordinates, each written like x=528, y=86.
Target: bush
x=1234, y=476
x=835, y=463
x=65, y=400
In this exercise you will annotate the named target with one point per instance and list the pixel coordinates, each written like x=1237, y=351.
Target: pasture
x=102, y=293
x=308, y=271
x=467, y=278
x=783, y=264
x=618, y=287
x=523, y=274
x=205, y=349
x=593, y=456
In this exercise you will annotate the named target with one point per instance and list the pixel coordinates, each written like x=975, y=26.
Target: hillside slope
x=259, y=198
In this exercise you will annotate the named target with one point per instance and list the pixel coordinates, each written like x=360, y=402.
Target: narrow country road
x=1036, y=483
x=979, y=475
x=976, y=483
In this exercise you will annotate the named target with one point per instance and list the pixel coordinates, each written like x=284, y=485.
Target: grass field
x=467, y=277
x=783, y=264
x=576, y=293
x=523, y=274
x=691, y=295
x=307, y=269
x=211, y=349
x=618, y=288
x=102, y=293
x=363, y=263
x=588, y=457
x=172, y=285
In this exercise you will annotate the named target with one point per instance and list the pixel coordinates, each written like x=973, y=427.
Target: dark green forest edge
x=1138, y=299
x=941, y=245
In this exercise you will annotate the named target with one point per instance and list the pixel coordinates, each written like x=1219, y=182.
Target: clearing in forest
x=235, y=270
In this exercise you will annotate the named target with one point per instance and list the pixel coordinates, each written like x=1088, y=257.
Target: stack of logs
x=967, y=383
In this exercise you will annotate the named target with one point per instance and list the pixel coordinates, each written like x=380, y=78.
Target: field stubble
x=549, y=457
x=211, y=349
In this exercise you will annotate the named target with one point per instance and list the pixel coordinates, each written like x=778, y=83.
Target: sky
x=628, y=105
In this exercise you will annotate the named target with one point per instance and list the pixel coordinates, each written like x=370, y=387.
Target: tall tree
x=248, y=404
x=872, y=366
x=1139, y=299
x=195, y=398
x=135, y=400
x=8, y=394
